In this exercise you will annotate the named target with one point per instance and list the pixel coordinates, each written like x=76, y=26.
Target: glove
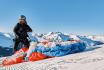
x=29, y=39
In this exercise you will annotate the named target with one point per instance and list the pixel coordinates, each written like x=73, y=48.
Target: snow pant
x=24, y=42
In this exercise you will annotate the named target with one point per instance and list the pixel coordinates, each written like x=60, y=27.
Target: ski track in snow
x=88, y=60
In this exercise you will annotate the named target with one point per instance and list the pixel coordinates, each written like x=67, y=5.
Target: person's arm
x=28, y=28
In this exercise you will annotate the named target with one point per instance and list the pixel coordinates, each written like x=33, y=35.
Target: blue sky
x=68, y=16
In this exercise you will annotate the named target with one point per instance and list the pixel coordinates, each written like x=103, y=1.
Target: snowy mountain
x=6, y=44
x=90, y=41
x=91, y=59
x=6, y=40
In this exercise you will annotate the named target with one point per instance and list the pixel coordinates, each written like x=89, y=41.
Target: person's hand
x=17, y=37
x=29, y=39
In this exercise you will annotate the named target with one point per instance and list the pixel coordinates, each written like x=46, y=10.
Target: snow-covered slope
x=91, y=59
x=98, y=38
x=88, y=60
x=6, y=40
x=6, y=44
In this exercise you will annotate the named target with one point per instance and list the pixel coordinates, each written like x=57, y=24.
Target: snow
x=98, y=38
x=91, y=59
x=5, y=40
x=88, y=60
x=7, y=35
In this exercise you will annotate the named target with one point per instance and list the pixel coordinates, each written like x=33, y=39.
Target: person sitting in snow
x=20, y=31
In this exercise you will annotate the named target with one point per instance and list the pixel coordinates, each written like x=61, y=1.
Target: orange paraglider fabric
x=35, y=56
x=16, y=58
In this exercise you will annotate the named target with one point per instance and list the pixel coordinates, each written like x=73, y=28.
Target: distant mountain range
x=6, y=41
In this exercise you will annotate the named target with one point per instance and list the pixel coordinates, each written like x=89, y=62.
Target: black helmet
x=23, y=17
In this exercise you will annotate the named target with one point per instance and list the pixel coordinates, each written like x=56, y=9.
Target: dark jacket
x=21, y=31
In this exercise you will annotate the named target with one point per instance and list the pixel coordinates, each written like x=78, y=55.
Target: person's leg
x=31, y=48
x=26, y=43
x=16, y=43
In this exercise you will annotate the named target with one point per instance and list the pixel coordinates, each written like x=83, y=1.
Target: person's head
x=22, y=20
